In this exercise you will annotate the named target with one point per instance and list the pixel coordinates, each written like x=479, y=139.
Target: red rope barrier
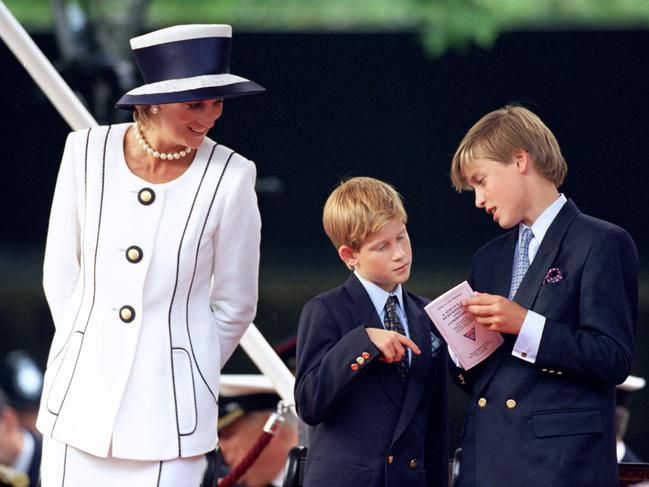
x=247, y=462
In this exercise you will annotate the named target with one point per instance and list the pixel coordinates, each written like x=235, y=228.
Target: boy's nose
x=479, y=200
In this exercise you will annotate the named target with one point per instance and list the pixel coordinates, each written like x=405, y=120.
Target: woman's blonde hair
x=142, y=114
x=499, y=134
x=359, y=207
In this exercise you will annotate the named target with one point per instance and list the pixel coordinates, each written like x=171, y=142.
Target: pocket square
x=553, y=276
x=435, y=344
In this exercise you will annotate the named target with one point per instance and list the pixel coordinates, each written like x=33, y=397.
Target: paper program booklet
x=470, y=341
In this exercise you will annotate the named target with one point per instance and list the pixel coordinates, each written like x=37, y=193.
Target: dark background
x=341, y=105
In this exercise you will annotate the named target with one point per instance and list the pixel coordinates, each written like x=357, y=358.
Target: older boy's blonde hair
x=359, y=207
x=499, y=134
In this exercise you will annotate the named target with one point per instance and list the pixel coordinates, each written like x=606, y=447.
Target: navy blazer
x=368, y=427
x=551, y=423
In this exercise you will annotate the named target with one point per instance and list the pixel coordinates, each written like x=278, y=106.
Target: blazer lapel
x=502, y=275
x=365, y=314
x=533, y=280
x=421, y=365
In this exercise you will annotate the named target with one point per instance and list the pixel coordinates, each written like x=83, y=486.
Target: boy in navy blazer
x=562, y=287
x=370, y=370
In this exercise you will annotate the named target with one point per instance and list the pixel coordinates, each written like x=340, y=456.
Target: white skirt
x=65, y=466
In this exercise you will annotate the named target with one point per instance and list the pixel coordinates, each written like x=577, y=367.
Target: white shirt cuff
x=453, y=357
x=529, y=339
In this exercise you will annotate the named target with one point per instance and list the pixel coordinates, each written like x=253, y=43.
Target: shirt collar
x=378, y=296
x=542, y=224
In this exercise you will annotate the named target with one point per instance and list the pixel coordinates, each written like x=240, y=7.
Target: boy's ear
x=346, y=254
x=521, y=158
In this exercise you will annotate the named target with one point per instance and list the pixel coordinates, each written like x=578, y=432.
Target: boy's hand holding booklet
x=470, y=341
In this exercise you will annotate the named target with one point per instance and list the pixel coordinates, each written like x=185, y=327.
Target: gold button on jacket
x=390, y=458
x=511, y=404
x=413, y=463
x=126, y=314
x=134, y=254
x=482, y=402
x=146, y=196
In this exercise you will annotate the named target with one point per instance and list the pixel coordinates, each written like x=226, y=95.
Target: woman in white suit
x=150, y=272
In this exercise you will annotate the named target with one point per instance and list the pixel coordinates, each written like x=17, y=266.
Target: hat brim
x=244, y=88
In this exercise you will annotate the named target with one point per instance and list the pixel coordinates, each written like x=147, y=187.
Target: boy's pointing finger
x=409, y=343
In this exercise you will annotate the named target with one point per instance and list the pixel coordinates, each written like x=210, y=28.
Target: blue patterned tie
x=522, y=262
x=392, y=322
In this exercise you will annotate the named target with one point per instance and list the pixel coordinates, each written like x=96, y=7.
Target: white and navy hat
x=185, y=63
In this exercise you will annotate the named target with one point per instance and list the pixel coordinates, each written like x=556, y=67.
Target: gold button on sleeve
x=360, y=360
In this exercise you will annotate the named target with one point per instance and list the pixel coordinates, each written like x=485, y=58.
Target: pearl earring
x=154, y=109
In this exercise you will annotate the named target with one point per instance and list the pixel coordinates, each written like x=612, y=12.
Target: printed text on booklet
x=470, y=342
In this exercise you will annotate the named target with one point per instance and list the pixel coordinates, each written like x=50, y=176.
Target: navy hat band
x=184, y=59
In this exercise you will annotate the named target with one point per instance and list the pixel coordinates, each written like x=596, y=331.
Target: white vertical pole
x=267, y=360
x=42, y=71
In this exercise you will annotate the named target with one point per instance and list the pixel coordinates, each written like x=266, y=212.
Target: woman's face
x=186, y=124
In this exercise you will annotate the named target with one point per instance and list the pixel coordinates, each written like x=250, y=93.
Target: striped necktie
x=522, y=262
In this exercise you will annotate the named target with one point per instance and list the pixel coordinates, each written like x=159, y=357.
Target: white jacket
x=145, y=384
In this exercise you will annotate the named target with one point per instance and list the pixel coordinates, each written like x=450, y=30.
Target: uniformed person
x=241, y=422
x=20, y=448
x=622, y=414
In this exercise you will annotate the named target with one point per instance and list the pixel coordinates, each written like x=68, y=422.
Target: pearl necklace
x=151, y=151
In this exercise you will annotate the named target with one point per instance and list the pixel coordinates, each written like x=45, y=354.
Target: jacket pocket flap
x=564, y=423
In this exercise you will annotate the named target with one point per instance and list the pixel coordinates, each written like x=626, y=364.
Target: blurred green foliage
x=443, y=24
